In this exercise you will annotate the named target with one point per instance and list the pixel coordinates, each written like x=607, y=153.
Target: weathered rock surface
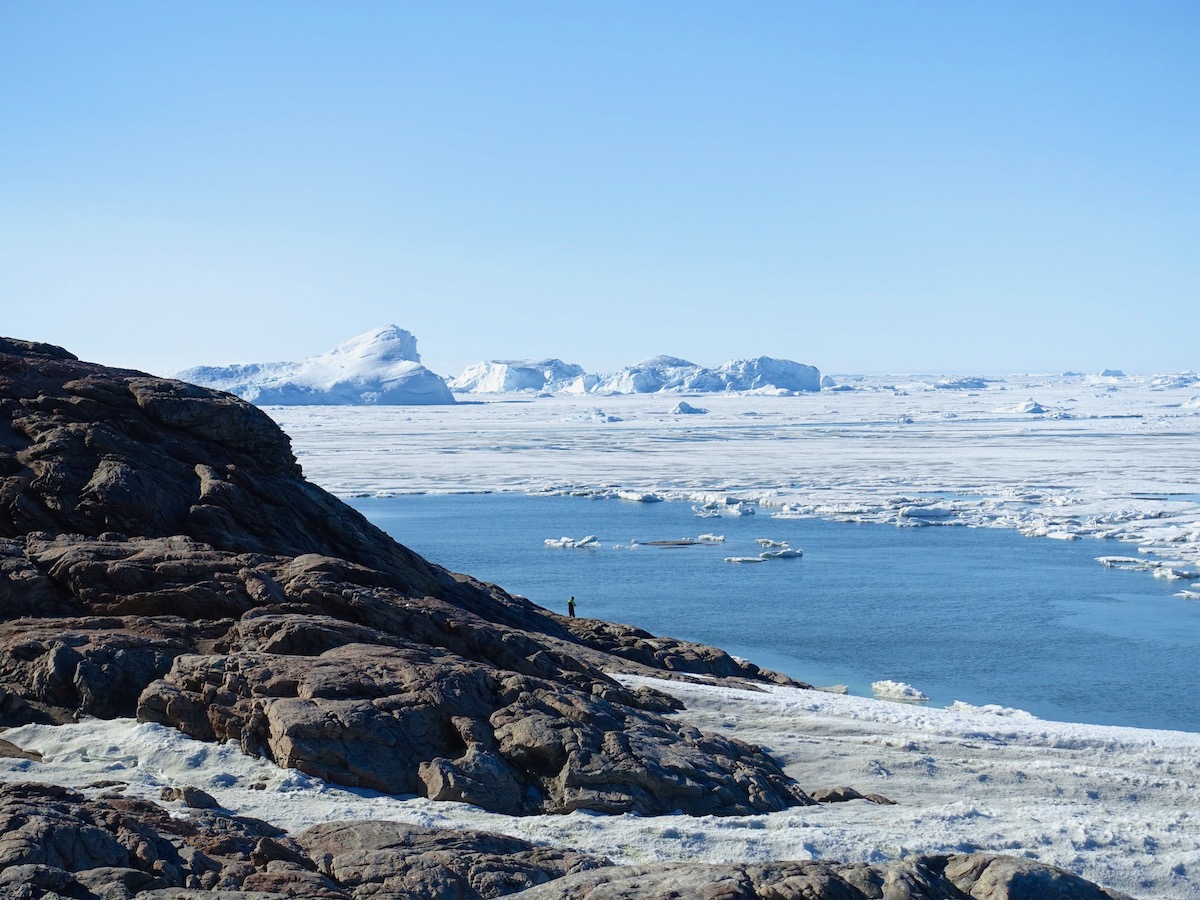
x=397, y=860
x=161, y=554
x=56, y=843
x=978, y=876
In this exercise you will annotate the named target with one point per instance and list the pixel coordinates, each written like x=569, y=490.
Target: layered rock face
x=160, y=554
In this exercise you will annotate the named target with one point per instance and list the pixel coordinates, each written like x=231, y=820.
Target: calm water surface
x=980, y=615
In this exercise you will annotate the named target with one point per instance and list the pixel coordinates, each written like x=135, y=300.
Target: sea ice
x=783, y=553
x=1030, y=407
x=1123, y=469
x=589, y=542
x=639, y=496
x=898, y=690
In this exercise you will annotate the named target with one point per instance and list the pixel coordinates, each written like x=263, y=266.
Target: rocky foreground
x=162, y=556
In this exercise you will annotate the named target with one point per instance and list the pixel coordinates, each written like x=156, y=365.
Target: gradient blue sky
x=863, y=186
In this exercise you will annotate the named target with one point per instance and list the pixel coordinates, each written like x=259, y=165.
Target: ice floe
x=782, y=553
x=1123, y=470
x=898, y=690
x=639, y=496
x=584, y=543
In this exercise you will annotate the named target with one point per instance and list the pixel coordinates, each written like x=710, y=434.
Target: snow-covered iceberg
x=498, y=376
x=381, y=367
x=660, y=374
x=671, y=374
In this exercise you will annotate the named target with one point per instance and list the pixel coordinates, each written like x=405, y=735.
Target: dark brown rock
x=191, y=797
x=975, y=877
x=55, y=840
x=998, y=877
x=402, y=861
x=843, y=794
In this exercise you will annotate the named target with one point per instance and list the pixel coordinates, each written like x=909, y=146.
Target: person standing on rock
x=571, y=607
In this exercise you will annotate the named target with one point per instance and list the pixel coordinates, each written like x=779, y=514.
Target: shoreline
x=1110, y=803
x=945, y=686
x=1115, y=462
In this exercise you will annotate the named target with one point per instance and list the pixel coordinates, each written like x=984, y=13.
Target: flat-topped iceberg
x=500, y=376
x=379, y=368
x=660, y=374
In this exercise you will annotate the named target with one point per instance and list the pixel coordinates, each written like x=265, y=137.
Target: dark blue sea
x=982, y=615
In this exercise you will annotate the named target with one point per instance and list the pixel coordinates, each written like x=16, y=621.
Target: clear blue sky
x=863, y=186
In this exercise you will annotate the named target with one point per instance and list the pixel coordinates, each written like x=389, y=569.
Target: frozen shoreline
x=1112, y=804
x=1113, y=459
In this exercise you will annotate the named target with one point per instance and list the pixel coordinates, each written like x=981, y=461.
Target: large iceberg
x=381, y=367
x=499, y=376
x=660, y=374
x=669, y=373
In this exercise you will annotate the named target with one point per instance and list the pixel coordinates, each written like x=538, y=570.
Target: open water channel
x=981, y=615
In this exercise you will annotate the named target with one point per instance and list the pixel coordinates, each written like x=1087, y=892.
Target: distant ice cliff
x=661, y=374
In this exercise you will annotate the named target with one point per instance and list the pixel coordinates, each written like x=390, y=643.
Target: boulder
x=397, y=860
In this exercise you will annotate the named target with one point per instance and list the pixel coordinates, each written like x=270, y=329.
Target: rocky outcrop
x=56, y=843
x=397, y=860
x=160, y=554
x=978, y=876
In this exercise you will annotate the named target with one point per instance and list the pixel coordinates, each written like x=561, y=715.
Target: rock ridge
x=162, y=555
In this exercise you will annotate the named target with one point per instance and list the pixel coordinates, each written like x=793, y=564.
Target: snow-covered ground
x=1057, y=456
x=1116, y=805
